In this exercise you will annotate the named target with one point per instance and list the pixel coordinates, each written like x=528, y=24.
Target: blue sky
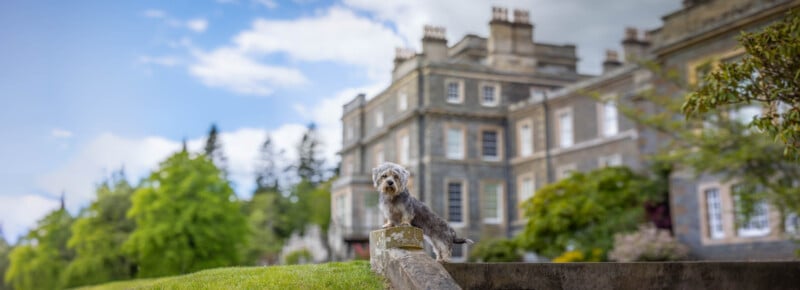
x=89, y=86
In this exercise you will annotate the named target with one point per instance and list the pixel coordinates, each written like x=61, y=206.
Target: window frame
x=460, y=91
x=500, y=195
x=523, y=149
x=712, y=214
x=499, y=143
x=482, y=94
x=402, y=101
x=462, y=129
x=560, y=127
x=520, y=191
x=464, y=202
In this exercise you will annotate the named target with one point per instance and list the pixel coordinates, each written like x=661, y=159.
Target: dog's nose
x=390, y=182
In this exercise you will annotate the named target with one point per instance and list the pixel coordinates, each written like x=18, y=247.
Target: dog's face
x=390, y=178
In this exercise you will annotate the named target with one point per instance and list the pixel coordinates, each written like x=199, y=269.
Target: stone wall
x=674, y=275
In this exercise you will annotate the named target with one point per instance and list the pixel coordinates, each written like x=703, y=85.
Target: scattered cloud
x=198, y=25
x=337, y=35
x=61, y=133
x=18, y=213
x=168, y=61
x=239, y=72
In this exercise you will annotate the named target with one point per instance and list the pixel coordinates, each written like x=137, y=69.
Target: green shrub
x=495, y=250
x=299, y=257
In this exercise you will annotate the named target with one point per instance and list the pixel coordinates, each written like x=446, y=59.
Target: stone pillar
x=397, y=254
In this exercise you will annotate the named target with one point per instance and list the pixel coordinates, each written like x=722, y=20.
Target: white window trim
x=525, y=150
x=559, y=127
x=602, y=109
x=460, y=83
x=378, y=118
x=402, y=101
x=497, y=94
x=500, y=203
x=714, y=217
x=464, y=198
x=379, y=155
x=463, y=151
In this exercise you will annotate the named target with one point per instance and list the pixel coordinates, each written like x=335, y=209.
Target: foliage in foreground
x=584, y=211
x=37, y=262
x=347, y=275
x=647, y=244
x=768, y=74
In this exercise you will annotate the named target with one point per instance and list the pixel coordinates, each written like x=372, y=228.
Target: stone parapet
x=397, y=254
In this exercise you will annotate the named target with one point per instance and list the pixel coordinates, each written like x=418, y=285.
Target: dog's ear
x=404, y=175
x=375, y=172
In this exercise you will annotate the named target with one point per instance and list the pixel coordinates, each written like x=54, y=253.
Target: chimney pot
x=499, y=14
x=631, y=33
x=521, y=16
x=611, y=55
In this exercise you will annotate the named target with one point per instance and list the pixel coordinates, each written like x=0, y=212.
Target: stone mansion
x=485, y=122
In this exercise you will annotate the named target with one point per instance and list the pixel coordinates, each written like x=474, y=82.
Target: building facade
x=484, y=123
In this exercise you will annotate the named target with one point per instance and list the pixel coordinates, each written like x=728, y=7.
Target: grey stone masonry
x=397, y=254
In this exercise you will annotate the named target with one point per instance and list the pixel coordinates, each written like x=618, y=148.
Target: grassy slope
x=347, y=275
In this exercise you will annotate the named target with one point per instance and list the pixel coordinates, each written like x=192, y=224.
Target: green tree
x=187, y=219
x=5, y=249
x=495, y=250
x=584, y=211
x=213, y=149
x=37, y=262
x=768, y=74
x=267, y=173
x=717, y=142
x=266, y=219
x=98, y=236
x=310, y=163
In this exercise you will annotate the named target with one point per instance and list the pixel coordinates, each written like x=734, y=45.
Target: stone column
x=397, y=254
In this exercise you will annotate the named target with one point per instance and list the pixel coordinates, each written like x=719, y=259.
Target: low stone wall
x=397, y=254
x=671, y=275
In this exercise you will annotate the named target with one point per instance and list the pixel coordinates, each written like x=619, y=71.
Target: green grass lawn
x=346, y=275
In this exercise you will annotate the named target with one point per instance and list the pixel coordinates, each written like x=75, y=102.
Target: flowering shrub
x=647, y=244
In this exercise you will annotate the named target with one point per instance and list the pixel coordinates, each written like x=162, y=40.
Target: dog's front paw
x=387, y=225
x=405, y=224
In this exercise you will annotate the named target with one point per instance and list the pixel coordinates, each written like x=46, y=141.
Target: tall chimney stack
x=612, y=61
x=434, y=43
x=523, y=33
x=634, y=47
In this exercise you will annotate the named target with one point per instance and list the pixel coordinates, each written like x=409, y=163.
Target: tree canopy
x=187, y=219
x=98, y=235
x=768, y=74
x=37, y=262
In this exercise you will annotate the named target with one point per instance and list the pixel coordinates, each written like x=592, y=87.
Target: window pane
x=452, y=92
x=455, y=146
x=565, y=128
x=610, y=126
x=489, y=144
x=526, y=137
x=454, y=202
x=714, y=210
x=402, y=101
x=526, y=190
x=490, y=208
x=488, y=95
x=758, y=225
x=404, y=149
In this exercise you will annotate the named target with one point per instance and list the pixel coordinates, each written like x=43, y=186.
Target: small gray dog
x=400, y=208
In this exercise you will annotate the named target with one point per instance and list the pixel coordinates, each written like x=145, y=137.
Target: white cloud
x=337, y=35
x=18, y=213
x=236, y=71
x=198, y=25
x=154, y=13
x=61, y=133
x=168, y=61
x=592, y=25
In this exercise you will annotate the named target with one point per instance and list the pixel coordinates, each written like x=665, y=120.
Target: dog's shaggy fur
x=400, y=208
